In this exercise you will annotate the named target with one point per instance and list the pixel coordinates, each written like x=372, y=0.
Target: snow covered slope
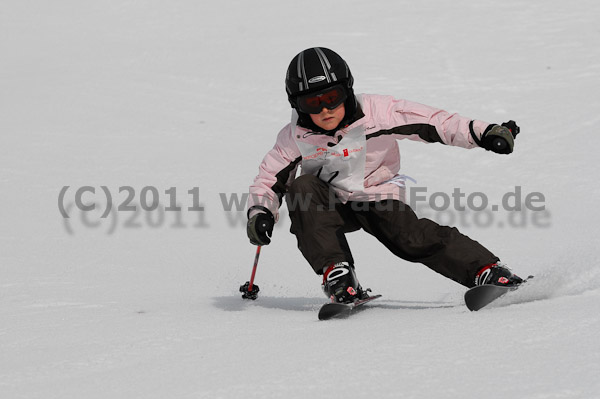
x=181, y=100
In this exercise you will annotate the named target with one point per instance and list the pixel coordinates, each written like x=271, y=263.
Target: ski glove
x=260, y=226
x=500, y=138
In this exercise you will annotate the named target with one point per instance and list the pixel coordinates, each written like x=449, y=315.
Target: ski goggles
x=330, y=98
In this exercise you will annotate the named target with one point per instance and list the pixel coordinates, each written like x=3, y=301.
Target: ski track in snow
x=190, y=94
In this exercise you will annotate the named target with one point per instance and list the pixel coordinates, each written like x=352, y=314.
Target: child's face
x=328, y=119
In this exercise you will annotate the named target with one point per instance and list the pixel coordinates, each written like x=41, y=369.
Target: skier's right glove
x=260, y=226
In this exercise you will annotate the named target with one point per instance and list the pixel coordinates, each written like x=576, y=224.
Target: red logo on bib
x=345, y=152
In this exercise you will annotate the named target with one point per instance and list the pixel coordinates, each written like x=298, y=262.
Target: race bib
x=341, y=165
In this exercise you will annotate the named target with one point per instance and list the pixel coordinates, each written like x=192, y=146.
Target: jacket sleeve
x=276, y=172
x=414, y=121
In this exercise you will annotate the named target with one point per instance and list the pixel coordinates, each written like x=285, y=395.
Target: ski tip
x=480, y=296
x=337, y=310
x=343, y=310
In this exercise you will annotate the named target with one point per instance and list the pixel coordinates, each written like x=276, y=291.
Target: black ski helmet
x=315, y=69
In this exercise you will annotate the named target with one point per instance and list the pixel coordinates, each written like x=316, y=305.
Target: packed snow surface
x=173, y=104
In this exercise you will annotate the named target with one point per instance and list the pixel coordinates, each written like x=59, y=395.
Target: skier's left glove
x=500, y=138
x=260, y=226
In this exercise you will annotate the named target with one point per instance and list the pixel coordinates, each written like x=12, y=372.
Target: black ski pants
x=320, y=221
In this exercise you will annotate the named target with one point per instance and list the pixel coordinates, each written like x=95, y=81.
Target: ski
x=482, y=295
x=342, y=310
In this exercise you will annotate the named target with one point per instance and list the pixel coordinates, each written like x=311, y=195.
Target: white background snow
x=190, y=94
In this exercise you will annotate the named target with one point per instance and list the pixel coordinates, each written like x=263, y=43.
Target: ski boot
x=341, y=285
x=497, y=274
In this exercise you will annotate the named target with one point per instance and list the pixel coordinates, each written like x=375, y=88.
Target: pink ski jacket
x=361, y=162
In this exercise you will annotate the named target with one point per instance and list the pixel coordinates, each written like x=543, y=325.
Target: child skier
x=346, y=147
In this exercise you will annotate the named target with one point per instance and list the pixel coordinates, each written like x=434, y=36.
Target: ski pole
x=250, y=290
x=251, y=285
